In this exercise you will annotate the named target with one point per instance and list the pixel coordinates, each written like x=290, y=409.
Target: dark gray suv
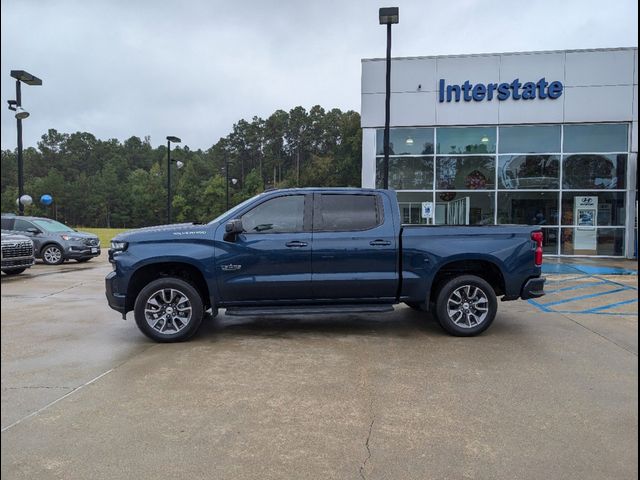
x=53, y=241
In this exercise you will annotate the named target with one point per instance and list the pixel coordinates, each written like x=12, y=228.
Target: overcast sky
x=192, y=68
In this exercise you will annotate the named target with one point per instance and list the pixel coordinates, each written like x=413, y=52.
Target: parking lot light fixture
x=170, y=139
x=16, y=105
x=387, y=16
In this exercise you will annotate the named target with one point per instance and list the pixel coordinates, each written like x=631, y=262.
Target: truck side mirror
x=232, y=228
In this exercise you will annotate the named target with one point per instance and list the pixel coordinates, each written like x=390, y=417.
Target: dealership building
x=535, y=138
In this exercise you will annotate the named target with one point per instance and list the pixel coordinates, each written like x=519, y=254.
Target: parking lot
x=549, y=391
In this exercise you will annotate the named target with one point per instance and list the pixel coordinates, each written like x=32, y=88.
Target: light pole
x=388, y=16
x=170, y=139
x=21, y=113
x=226, y=174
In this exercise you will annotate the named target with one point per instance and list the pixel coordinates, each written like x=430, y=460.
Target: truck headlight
x=118, y=246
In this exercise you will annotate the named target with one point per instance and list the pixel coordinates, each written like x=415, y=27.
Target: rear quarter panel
x=427, y=249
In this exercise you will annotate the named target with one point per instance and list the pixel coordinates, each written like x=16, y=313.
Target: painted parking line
x=599, y=302
x=579, y=286
x=584, y=297
x=611, y=306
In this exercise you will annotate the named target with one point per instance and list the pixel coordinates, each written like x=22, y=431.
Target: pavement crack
x=600, y=335
x=63, y=290
x=366, y=444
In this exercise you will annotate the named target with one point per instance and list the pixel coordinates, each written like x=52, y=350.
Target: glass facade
x=569, y=179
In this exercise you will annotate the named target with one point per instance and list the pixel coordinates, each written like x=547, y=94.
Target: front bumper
x=17, y=263
x=533, y=288
x=117, y=301
x=81, y=251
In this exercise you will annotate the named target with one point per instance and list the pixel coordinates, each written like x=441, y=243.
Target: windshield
x=53, y=226
x=234, y=209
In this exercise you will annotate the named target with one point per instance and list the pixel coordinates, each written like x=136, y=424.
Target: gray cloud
x=192, y=68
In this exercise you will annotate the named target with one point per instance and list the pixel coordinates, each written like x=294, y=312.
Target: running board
x=308, y=310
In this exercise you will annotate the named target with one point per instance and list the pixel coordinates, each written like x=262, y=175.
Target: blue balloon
x=46, y=199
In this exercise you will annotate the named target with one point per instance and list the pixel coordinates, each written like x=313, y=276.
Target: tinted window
x=278, y=215
x=594, y=171
x=539, y=139
x=406, y=141
x=528, y=208
x=52, y=226
x=406, y=173
x=595, y=138
x=466, y=140
x=7, y=223
x=466, y=173
x=22, y=225
x=347, y=212
x=529, y=171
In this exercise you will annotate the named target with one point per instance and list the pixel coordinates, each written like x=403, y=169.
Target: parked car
x=17, y=253
x=310, y=251
x=53, y=241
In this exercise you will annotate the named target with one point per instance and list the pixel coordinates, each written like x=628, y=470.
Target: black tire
x=83, y=260
x=473, y=318
x=168, y=293
x=16, y=271
x=52, y=254
x=418, y=307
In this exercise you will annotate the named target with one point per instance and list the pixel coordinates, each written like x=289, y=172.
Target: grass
x=105, y=234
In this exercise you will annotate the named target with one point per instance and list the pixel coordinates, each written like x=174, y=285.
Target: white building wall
x=600, y=85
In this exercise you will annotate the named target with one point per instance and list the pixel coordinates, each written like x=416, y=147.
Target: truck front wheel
x=168, y=310
x=466, y=306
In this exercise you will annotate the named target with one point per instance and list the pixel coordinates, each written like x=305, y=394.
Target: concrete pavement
x=539, y=395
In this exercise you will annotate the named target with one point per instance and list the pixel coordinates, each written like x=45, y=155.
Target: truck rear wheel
x=466, y=306
x=168, y=310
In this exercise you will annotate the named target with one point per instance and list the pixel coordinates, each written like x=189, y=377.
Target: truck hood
x=163, y=233
x=14, y=237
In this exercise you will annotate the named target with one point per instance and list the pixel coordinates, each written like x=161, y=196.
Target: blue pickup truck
x=318, y=251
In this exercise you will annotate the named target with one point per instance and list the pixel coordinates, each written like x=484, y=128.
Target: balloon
x=26, y=200
x=46, y=199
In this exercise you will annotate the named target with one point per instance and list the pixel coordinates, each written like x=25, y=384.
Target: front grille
x=17, y=249
x=23, y=262
x=91, y=242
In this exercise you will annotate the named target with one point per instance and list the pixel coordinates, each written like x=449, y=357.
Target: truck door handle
x=380, y=243
x=296, y=244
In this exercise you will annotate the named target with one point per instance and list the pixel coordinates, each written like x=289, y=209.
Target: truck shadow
x=404, y=323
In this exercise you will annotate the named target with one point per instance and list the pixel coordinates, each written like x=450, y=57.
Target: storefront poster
x=585, y=217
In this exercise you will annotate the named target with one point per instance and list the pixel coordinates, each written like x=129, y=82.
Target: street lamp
x=170, y=139
x=21, y=114
x=388, y=16
x=227, y=179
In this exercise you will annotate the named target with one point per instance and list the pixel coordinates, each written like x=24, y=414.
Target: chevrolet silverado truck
x=319, y=251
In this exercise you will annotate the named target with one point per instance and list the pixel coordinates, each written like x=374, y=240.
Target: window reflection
x=528, y=208
x=594, y=171
x=466, y=140
x=466, y=173
x=530, y=139
x=406, y=141
x=529, y=171
x=406, y=173
x=595, y=138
